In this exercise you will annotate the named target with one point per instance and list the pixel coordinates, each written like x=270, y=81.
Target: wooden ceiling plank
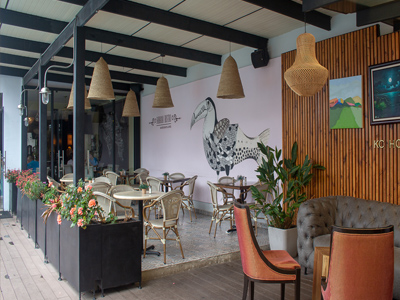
x=295, y=10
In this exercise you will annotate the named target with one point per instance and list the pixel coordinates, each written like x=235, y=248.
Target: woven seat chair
x=109, y=204
x=220, y=212
x=100, y=186
x=228, y=180
x=102, y=179
x=361, y=264
x=112, y=176
x=271, y=266
x=173, y=176
x=156, y=185
x=187, y=200
x=170, y=204
x=139, y=179
x=140, y=170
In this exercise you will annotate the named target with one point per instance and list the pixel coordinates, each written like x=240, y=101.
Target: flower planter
x=53, y=241
x=103, y=255
x=19, y=205
x=25, y=201
x=40, y=225
x=283, y=239
x=32, y=219
x=13, y=197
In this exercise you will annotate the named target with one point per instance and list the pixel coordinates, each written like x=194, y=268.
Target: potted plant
x=283, y=184
x=165, y=175
x=11, y=177
x=143, y=187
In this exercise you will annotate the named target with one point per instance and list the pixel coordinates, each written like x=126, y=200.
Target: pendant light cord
x=305, y=23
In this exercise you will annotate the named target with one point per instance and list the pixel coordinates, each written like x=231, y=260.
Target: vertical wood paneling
x=354, y=167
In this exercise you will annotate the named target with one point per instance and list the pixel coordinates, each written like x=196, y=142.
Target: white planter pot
x=283, y=239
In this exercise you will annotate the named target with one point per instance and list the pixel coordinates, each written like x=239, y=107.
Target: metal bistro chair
x=187, y=200
x=110, y=205
x=112, y=176
x=100, y=186
x=170, y=203
x=220, y=212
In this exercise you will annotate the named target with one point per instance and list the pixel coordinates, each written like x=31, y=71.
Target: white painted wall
x=179, y=149
x=10, y=87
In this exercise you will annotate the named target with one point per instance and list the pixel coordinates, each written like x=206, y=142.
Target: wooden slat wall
x=353, y=166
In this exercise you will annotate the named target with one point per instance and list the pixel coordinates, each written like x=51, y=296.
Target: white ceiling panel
x=19, y=53
x=115, y=23
x=165, y=34
x=27, y=34
x=266, y=23
x=51, y=9
x=175, y=61
x=14, y=66
x=92, y=46
x=209, y=44
x=219, y=12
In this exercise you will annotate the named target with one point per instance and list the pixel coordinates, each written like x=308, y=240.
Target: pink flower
x=79, y=190
x=92, y=203
x=80, y=211
x=89, y=187
x=95, y=213
x=72, y=211
x=80, y=222
x=50, y=184
x=59, y=219
x=54, y=206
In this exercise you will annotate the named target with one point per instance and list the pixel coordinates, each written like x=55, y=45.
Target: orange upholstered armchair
x=271, y=266
x=361, y=264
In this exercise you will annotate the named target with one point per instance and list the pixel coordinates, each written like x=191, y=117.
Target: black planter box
x=53, y=241
x=32, y=219
x=13, y=198
x=40, y=225
x=102, y=255
x=25, y=212
x=19, y=206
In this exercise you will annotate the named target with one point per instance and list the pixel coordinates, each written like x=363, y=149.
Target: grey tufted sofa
x=316, y=216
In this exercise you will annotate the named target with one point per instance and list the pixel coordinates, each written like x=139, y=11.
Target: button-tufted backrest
x=360, y=213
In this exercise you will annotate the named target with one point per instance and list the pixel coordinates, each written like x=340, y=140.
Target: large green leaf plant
x=275, y=174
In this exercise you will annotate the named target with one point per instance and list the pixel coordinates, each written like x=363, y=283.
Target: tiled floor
x=197, y=243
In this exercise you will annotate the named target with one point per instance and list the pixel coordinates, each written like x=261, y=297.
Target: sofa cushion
x=322, y=241
x=396, y=284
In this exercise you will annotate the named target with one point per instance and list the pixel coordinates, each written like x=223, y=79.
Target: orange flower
x=79, y=190
x=80, y=222
x=50, y=184
x=59, y=219
x=89, y=187
x=71, y=212
x=92, y=203
x=80, y=211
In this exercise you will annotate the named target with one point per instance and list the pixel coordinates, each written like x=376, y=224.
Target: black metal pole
x=24, y=133
x=79, y=100
x=137, y=88
x=52, y=134
x=42, y=131
x=113, y=129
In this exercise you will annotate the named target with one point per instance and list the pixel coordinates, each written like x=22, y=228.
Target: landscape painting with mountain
x=345, y=103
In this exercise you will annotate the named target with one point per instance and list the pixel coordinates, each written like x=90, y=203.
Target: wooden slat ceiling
x=251, y=18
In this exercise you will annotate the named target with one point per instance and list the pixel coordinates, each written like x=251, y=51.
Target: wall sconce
x=21, y=108
x=26, y=121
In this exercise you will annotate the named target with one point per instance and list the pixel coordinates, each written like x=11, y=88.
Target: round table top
x=137, y=195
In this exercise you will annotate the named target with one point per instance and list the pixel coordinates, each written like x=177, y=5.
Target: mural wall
x=173, y=141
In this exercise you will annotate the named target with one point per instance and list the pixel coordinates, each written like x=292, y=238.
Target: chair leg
x=212, y=219
x=251, y=290
x=282, y=291
x=165, y=246
x=215, y=227
x=298, y=277
x=179, y=240
x=145, y=241
x=245, y=287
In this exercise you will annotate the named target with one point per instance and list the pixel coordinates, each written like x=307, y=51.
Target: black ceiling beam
x=84, y=15
x=19, y=19
x=9, y=71
x=378, y=13
x=170, y=19
x=115, y=75
x=295, y=10
x=309, y=5
x=37, y=47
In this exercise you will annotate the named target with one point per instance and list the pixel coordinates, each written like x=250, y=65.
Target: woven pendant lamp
x=131, y=108
x=162, y=97
x=230, y=85
x=306, y=76
x=71, y=99
x=101, y=86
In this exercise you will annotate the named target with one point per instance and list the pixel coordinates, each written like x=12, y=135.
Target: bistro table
x=243, y=188
x=167, y=183
x=140, y=197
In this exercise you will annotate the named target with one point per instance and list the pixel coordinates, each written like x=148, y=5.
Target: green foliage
x=12, y=175
x=143, y=186
x=240, y=177
x=274, y=173
x=165, y=173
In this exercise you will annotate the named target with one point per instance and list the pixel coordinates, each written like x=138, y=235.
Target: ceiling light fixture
x=162, y=96
x=230, y=85
x=101, y=86
x=131, y=107
x=71, y=99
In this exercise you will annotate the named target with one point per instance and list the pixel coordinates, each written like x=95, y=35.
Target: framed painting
x=384, y=81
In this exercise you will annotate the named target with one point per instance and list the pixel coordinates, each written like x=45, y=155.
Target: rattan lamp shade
x=306, y=76
x=230, y=85
x=71, y=99
x=101, y=86
x=131, y=108
x=162, y=97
